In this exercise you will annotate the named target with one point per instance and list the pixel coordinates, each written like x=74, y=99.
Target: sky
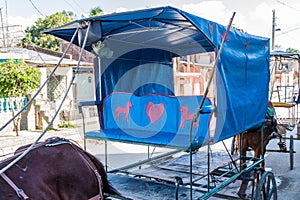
x=254, y=17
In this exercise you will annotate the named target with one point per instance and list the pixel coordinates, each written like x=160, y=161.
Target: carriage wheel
x=291, y=152
x=266, y=188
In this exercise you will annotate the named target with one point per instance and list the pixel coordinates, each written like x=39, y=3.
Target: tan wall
x=4, y=117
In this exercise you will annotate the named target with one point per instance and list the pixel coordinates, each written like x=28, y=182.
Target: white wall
x=85, y=90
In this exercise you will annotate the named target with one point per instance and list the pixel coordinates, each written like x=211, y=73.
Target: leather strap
x=97, y=197
x=93, y=167
x=21, y=194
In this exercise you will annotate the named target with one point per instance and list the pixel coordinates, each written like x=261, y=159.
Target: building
x=44, y=107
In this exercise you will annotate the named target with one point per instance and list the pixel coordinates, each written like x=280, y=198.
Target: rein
x=21, y=194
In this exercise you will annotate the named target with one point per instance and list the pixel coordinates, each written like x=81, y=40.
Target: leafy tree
x=71, y=14
x=33, y=34
x=96, y=12
x=291, y=50
x=17, y=79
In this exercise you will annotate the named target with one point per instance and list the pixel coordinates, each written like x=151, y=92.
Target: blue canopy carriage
x=146, y=41
x=134, y=77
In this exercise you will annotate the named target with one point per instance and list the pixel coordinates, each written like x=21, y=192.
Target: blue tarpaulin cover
x=136, y=54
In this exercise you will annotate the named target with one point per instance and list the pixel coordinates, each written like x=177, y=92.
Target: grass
x=67, y=124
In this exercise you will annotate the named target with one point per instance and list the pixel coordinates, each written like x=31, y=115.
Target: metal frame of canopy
x=96, y=30
x=243, y=70
x=284, y=67
x=281, y=65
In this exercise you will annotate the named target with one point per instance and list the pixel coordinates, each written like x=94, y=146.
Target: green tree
x=96, y=12
x=33, y=34
x=17, y=79
x=291, y=50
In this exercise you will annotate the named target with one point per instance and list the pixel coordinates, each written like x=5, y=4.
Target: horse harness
x=94, y=169
x=53, y=142
x=21, y=194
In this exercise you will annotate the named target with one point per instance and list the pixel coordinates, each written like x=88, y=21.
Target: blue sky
x=253, y=16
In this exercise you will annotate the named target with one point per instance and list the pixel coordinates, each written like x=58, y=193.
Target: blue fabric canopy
x=152, y=37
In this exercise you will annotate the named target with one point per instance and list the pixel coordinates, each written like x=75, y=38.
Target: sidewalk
x=9, y=142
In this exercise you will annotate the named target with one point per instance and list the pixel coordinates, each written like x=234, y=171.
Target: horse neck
x=268, y=131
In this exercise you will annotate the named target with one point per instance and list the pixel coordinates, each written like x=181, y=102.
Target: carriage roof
x=242, y=69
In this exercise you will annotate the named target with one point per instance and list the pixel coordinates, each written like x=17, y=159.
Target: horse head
x=274, y=130
x=129, y=104
x=183, y=109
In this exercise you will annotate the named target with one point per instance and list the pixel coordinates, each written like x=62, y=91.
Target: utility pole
x=273, y=30
x=2, y=26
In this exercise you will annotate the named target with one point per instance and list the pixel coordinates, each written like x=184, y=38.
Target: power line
x=290, y=30
x=80, y=7
x=287, y=5
x=36, y=8
x=71, y=6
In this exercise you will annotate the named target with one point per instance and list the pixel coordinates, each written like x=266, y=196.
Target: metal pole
x=215, y=65
x=2, y=26
x=51, y=122
x=106, y=162
x=83, y=129
x=202, y=102
x=273, y=30
x=262, y=147
x=43, y=85
x=149, y=160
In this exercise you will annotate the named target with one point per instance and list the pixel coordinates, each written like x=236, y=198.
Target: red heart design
x=155, y=112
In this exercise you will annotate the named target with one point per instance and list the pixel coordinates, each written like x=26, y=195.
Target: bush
x=66, y=124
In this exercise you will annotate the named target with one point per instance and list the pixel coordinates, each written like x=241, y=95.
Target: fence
x=5, y=104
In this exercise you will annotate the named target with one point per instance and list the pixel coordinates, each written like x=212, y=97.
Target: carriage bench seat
x=158, y=120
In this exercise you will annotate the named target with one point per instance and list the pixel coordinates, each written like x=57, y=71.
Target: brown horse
x=253, y=139
x=55, y=169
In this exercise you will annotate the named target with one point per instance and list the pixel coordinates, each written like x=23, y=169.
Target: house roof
x=35, y=57
x=284, y=54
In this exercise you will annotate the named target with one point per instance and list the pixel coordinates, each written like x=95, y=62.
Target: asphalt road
x=120, y=154
x=288, y=181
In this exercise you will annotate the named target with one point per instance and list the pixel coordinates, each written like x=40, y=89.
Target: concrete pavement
x=120, y=154
x=9, y=142
x=288, y=181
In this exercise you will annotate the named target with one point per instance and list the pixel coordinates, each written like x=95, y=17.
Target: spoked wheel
x=291, y=152
x=266, y=188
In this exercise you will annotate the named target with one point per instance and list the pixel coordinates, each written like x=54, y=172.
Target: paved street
x=279, y=163
x=121, y=154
